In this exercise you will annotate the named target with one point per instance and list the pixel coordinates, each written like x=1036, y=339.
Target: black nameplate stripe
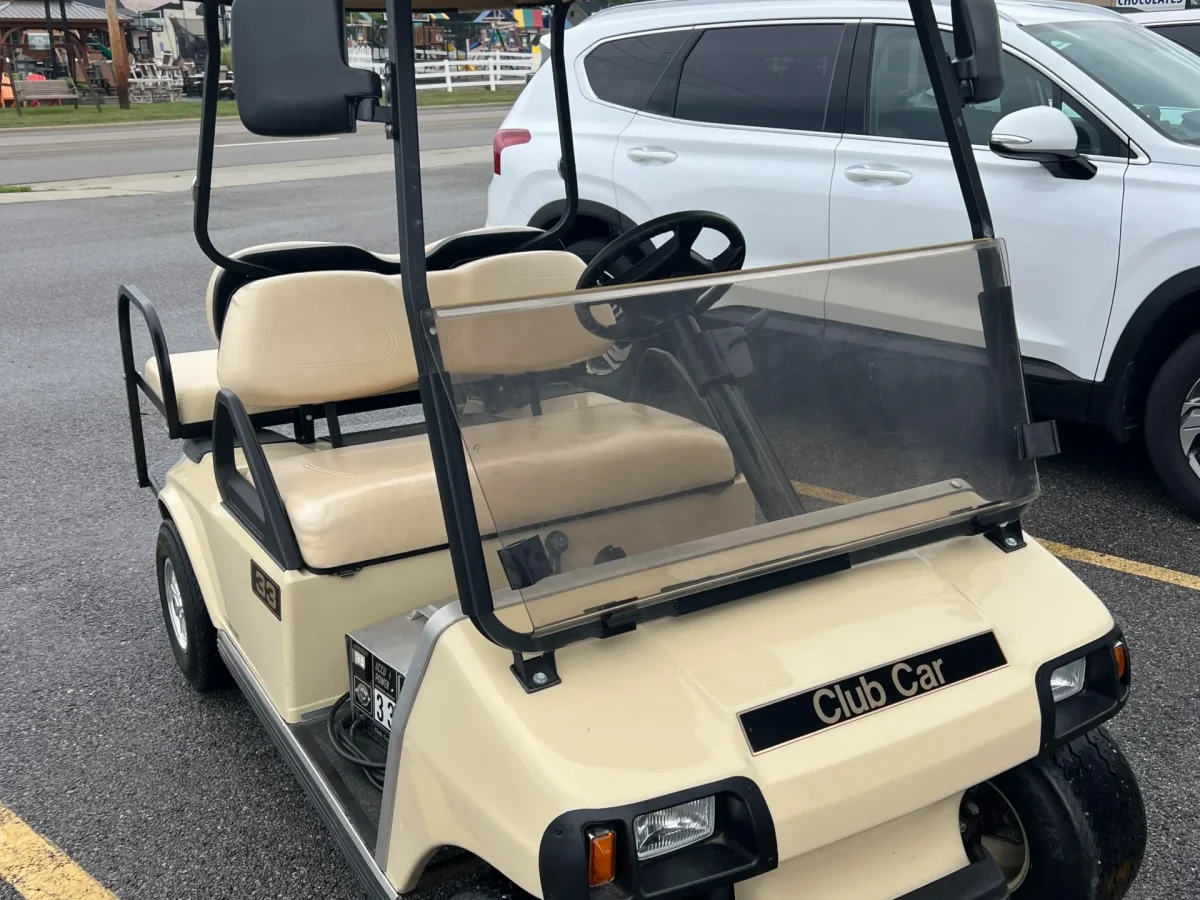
x=859, y=695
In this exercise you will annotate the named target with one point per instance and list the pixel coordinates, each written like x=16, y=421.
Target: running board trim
x=332, y=814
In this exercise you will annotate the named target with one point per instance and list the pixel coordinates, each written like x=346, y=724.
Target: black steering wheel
x=674, y=259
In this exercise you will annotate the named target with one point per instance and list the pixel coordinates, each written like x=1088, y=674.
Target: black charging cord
x=344, y=737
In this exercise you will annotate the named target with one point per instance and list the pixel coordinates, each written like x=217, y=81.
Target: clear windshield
x=814, y=409
x=1146, y=71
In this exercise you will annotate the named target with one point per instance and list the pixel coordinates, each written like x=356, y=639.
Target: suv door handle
x=651, y=154
x=862, y=174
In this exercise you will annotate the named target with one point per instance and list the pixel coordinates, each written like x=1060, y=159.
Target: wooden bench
x=26, y=92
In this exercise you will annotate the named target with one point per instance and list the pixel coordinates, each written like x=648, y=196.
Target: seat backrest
x=288, y=257
x=315, y=337
x=535, y=340
x=321, y=337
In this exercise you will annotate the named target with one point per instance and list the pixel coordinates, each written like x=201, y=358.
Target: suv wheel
x=1173, y=424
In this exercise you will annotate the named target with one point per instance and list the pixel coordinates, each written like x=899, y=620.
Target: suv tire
x=1176, y=382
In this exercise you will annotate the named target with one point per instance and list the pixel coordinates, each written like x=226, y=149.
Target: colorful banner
x=528, y=18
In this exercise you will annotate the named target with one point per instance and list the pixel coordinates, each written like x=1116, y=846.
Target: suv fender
x=1164, y=320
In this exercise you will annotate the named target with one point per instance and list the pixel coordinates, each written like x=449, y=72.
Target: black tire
x=587, y=247
x=1163, y=407
x=1083, y=820
x=198, y=660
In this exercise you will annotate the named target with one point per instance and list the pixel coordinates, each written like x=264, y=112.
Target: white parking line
x=267, y=143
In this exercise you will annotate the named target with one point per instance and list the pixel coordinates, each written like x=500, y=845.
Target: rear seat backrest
x=315, y=337
x=331, y=256
x=535, y=340
x=214, y=280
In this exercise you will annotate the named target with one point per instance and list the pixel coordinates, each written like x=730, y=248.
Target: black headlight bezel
x=1104, y=692
x=741, y=846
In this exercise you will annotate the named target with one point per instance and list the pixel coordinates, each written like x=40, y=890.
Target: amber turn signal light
x=602, y=857
x=1121, y=658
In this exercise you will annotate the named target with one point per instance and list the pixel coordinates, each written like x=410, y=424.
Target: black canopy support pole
x=566, y=138
x=445, y=440
x=995, y=300
x=948, y=94
x=202, y=186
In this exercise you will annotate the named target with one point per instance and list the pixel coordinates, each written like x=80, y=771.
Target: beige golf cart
x=765, y=626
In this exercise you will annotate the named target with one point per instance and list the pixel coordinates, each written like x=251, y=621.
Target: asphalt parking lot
x=157, y=792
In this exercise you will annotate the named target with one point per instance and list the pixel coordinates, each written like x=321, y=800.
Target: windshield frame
x=464, y=540
x=1043, y=33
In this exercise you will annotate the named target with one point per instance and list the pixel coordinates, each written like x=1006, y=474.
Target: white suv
x=812, y=125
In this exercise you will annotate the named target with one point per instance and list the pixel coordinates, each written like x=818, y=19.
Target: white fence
x=489, y=69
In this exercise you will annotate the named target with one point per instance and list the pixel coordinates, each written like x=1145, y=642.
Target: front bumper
x=978, y=881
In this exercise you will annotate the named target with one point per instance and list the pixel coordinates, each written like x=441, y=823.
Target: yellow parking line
x=1120, y=564
x=1062, y=551
x=39, y=870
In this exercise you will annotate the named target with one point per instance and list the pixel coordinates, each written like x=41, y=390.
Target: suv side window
x=625, y=71
x=772, y=76
x=1185, y=35
x=900, y=102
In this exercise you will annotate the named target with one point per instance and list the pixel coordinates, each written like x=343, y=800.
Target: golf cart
x=766, y=626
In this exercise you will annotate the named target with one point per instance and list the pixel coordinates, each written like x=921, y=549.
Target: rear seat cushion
x=372, y=501
x=195, y=377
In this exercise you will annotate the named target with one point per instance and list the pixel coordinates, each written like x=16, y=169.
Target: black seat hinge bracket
x=525, y=563
x=1038, y=440
x=537, y=672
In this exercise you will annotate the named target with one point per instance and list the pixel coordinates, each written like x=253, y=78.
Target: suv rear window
x=625, y=71
x=774, y=76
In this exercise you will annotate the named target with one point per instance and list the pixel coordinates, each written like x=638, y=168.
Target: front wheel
x=1173, y=424
x=1068, y=826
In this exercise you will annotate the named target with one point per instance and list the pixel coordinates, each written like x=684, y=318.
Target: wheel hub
x=991, y=829
x=1189, y=428
x=175, y=604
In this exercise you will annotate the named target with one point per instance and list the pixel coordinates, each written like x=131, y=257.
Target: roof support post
x=202, y=186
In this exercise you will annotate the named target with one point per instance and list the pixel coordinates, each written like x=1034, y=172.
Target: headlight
x=1081, y=689
x=1067, y=681
x=670, y=829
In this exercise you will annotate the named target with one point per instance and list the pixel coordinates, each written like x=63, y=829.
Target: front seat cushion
x=375, y=501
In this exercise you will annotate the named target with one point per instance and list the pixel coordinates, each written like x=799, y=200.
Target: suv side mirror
x=977, y=49
x=1042, y=134
x=292, y=75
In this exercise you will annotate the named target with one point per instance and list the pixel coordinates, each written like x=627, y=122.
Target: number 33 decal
x=265, y=589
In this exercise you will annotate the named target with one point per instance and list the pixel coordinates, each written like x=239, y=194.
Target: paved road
x=160, y=793
x=60, y=153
